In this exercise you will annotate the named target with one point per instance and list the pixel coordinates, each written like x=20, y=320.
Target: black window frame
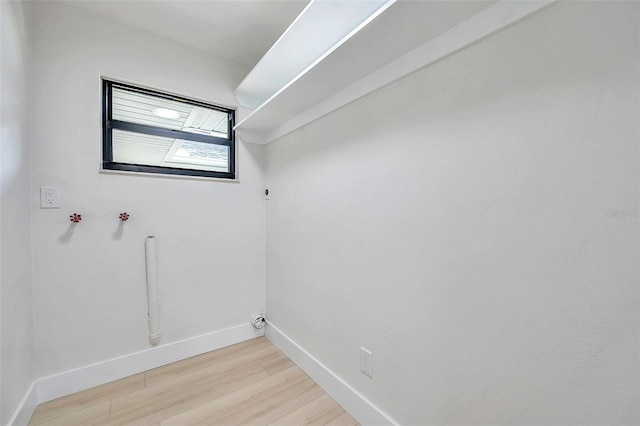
x=108, y=124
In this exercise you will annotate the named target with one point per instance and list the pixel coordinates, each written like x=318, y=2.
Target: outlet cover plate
x=49, y=197
x=366, y=362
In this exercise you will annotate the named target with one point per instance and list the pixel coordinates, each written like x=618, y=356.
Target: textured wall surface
x=16, y=331
x=89, y=280
x=475, y=225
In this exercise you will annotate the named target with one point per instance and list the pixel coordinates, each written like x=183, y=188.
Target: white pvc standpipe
x=153, y=301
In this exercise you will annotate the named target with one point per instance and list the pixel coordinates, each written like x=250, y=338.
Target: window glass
x=154, y=132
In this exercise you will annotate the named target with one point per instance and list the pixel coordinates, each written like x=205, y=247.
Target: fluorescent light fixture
x=166, y=113
x=319, y=29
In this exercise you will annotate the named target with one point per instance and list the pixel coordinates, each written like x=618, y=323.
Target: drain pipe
x=153, y=301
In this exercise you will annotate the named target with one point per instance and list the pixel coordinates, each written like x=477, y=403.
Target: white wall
x=475, y=225
x=89, y=280
x=16, y=331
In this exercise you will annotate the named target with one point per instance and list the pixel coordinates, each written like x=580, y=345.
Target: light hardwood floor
x=251, y=383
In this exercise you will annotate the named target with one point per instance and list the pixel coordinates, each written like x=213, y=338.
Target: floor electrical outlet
x=366, y=362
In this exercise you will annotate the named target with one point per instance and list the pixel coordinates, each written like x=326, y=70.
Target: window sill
x=165, y=176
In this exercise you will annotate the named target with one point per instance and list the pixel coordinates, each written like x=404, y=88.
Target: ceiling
x=239, y=30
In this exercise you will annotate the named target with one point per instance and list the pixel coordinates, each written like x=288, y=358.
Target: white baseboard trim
x=363, y=410
x=82, y=378
x=76, y=380
x=26, y=407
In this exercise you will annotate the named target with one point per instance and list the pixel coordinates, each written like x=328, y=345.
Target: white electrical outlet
x=49, y=198
x=366, y=362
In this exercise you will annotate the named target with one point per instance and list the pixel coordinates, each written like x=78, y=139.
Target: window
x=152, y=132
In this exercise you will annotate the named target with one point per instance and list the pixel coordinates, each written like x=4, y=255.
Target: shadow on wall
x=66, y=237
x=117, y=235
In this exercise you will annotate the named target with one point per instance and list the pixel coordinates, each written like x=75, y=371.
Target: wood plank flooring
x=251, y=383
